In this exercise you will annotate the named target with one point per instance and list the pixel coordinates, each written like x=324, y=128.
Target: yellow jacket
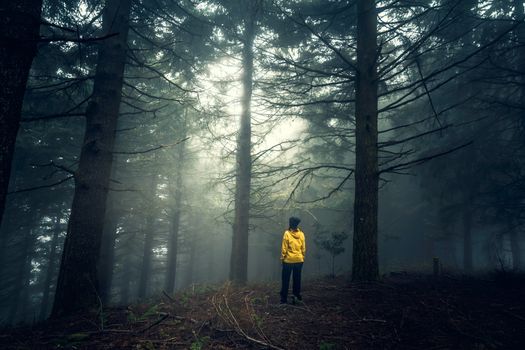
x=293, y=246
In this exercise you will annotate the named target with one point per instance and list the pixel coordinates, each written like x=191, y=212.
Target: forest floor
x=403, y=311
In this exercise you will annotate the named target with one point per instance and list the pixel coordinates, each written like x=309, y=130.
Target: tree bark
x=173, y=245
x=23, y=275
x=239, y=253
x=51, y=263
x=365, y=260
x=8, y=231
x=77, y=286
x=190, y=278
x=149, y=228
x=106, y=260
x=127, y=271
x=171, y=272
x=19, y=32
x=467, y=240
x=519, y=15
x=515, y=249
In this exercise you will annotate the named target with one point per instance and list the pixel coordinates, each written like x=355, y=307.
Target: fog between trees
x=162, y=145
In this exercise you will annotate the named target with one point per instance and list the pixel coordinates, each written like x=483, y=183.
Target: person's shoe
x=297, y=299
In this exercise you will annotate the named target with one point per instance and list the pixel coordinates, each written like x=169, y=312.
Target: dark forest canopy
x=151, y=145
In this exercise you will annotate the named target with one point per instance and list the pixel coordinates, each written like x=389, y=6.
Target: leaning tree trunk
x=239, y=253
x=19, y=31
x=77, y=286
x=171, y=270
x=365, y=260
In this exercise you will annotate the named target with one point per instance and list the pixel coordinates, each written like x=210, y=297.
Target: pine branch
x=42, y=186
x=418, y=161
x=151, y=149
x=75, y=39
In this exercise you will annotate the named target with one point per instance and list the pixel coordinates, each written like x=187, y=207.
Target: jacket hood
x=296, y=234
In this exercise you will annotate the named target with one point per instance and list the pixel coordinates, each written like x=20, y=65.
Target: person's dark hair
x=293, y=222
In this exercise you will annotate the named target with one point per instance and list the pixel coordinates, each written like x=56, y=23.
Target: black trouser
x=288, y=268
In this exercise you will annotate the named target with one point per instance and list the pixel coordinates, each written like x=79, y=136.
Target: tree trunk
x=7, y=232
x=239, y=253
x=519, y=15
x=23, y=275
x=127, y=270
x=106, y=260
x=175, y=220
x=145, y=271
x=190, y=278
x=19, y=31
x=77, y=286
x=467, y=240
x=515, y=249
x=365, y=261
x=51, y=263
x=173, y=245
x=149, y=228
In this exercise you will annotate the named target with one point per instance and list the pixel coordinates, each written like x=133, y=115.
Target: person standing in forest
x=293, y=250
